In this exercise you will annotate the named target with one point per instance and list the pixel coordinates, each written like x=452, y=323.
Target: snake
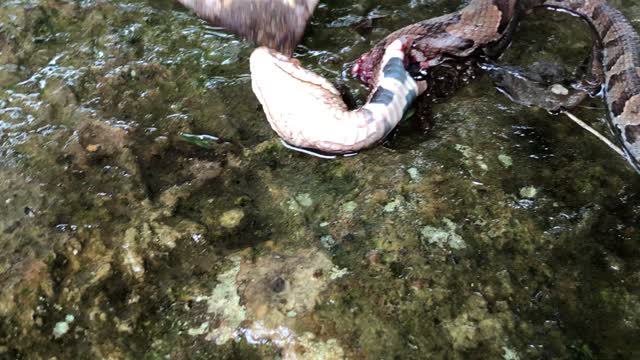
x=307, y=111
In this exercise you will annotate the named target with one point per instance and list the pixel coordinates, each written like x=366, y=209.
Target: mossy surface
x=505, y=232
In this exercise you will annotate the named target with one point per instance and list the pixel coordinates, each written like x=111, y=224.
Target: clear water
x=504, y=232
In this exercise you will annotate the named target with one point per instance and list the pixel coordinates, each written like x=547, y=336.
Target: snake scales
x=306, y=110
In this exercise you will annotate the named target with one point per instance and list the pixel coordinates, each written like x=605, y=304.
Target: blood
x=415, y=62
x=363, y=69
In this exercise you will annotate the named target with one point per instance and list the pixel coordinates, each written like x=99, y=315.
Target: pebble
x=232, y=218
x=528, y=192
x=559, y=90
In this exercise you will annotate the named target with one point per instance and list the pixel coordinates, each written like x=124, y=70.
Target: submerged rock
x=161, y=248
x=445, y=236
x=224, y=306
x=260, y=300
x=528, y=192
x=231, y=218
x=476, y=325
x=275, y=284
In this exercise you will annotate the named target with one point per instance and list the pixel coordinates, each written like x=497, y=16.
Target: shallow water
x=504, y=232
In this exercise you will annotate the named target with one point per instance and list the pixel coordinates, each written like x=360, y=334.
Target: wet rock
x=204, y=171
x=231, y=219
x=443, y=237
x=373, y=257
x=509, y=354
x=261, y=299
x=107, y=215
x=132, y=257
x=22, y=285
x=62, y=327
x=528, y=192
x=8, y=74
x=505, y=160
x=300, y=293
x=327, y=241
x=292, y=346
x=337, y=273
x=98, y=140
x=394, y=205
x=414, y=174
x=304, y=200
x=22, y=199
x=300, y=202
x=559, y=90
x=349, y=207
x=476, y=325
x=470, y=158
x=224, y=306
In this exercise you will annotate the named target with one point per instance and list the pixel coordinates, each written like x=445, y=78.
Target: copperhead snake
x=307, y=111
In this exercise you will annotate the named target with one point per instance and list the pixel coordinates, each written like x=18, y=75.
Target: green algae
x=505, y=160
x=110, y=215
x=231, y=218
x=224, y=305
x=528, y=192
x=445, y=236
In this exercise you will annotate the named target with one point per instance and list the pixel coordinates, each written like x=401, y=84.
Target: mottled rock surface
x=505, y=232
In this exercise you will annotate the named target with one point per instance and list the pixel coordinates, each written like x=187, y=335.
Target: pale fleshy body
x=307, y=111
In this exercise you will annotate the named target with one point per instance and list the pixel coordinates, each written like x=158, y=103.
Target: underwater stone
x=509, y=354
x=337, y=273
x=528, y=192
x=315, y=350
x=414, y=174
x=202, y=329
x=464, y=150
x=292, y=346
x=132, y=260
x=224, y=304
x=393, y=205
x=469, y=157
x=300, y=201
x=327, y=241
x=505, y=160
x=349, y=207
x=443, y=236
x=304, y=199
x=261, y=298
x=475, y=324
x=232, y=218
x=61, y=328
x=306, y=273
x=559, y=90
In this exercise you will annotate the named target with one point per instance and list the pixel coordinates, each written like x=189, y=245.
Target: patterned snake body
x=620, y=45
x=306, y=110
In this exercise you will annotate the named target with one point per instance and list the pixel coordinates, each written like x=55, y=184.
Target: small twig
x=594, y=132
x=601, y=108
